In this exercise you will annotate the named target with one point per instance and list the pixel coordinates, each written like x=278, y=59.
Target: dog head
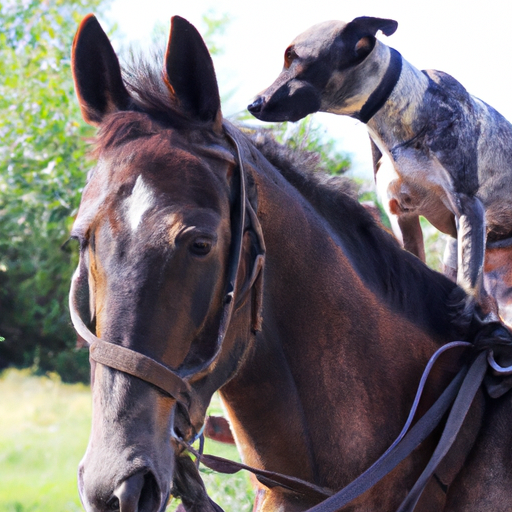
x=328, y=68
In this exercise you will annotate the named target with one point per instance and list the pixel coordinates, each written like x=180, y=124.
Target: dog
x=451, y=153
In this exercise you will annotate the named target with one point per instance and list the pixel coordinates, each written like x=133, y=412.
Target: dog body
x=451, y=152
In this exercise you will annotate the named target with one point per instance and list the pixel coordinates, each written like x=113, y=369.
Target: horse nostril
x=256, y=105
x=137, y=493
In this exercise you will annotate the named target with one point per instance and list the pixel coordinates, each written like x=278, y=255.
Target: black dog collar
x=380, y=95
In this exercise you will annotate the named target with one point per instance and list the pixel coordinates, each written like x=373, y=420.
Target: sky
x=469, y=40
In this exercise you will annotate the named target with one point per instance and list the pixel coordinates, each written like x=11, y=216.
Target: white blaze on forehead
x=139, y=202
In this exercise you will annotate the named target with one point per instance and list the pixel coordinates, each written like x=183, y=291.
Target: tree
x=307, y=135
x=43, y=166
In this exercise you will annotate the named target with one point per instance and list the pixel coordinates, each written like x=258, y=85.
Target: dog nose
x=256, y=105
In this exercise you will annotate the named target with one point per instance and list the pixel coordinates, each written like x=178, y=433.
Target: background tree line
x=43, y=164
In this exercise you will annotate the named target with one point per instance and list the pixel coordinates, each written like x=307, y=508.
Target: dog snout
x=256, y=105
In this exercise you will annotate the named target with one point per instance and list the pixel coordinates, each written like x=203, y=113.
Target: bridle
x=146, y=368
x=458, y=395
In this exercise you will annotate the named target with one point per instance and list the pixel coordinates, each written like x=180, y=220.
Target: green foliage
x=215, y=27
x=435, y=242
x=307, y=135
x=42, y=172
x=44, y=436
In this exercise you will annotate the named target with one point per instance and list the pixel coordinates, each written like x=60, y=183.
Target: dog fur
x=451, y=152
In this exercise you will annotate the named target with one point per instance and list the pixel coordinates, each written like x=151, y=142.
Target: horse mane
x=394, y=274
x=151, y=94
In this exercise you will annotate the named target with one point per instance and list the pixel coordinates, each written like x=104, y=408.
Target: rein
x=459, y=394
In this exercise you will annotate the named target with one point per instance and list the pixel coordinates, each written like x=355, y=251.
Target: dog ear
x=368, y=26
x=358, y=36
x=96, y=73
x=189, y=72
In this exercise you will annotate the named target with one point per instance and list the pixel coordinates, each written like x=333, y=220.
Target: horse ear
x=96, y=72
x=189, y=73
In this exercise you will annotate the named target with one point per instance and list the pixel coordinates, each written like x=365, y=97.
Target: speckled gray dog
x=452, y=152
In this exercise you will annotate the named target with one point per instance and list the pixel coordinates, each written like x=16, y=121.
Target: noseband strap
x=127, y=360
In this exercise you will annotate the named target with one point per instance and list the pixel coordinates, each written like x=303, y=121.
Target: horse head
x=170, y=254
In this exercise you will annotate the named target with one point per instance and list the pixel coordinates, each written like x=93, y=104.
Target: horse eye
x=201, y=246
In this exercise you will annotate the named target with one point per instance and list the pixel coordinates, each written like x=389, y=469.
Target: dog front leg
x=471, y=253
x=412, y=235
x=470, y=244
x=450, y=259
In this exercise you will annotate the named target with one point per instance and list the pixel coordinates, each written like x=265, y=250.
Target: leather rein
x=459, y=393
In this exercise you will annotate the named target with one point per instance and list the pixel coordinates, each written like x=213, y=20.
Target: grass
x=44, y=428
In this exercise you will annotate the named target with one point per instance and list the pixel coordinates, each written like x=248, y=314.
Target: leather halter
x=383, y=91
x=146, y=368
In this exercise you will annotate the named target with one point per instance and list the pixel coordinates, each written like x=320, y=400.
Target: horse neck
x=325, y=365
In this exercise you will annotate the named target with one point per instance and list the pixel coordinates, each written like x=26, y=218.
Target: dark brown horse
x=316, y=346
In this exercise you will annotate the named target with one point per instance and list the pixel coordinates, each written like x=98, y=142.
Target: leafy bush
x=42, y=172
x=43, y=164
x=308, y=135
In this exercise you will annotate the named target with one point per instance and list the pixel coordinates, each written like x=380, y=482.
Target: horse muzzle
x=129, y=463
x=137, y=492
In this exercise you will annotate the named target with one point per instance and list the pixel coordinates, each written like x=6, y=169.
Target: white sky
x=468, y=39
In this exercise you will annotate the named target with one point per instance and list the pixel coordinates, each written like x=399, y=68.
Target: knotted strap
x=189, y=486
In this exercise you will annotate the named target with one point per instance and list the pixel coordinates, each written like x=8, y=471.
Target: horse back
x=485, y=479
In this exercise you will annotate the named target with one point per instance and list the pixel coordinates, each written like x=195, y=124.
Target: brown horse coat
x=324, y=349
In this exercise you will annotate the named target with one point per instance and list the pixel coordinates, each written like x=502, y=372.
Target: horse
x=210, y=261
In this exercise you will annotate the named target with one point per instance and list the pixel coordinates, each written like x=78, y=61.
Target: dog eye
x=201, y=246
x=289, y=56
